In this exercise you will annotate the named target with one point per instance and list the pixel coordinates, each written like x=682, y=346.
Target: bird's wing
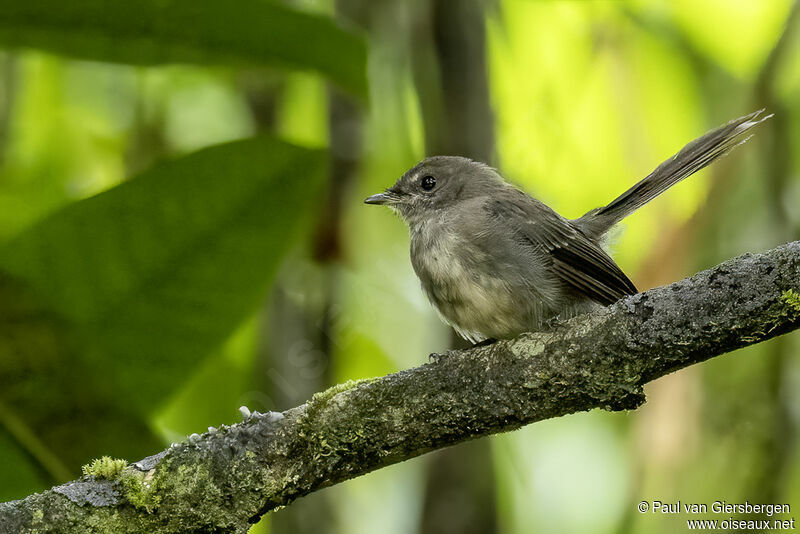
x=577, y=260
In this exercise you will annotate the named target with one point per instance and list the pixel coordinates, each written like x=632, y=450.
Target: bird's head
x=438, y=184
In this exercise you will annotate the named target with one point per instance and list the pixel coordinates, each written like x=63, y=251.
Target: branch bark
x=224, y=480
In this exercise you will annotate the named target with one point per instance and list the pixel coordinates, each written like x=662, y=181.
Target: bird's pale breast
x=476, y=303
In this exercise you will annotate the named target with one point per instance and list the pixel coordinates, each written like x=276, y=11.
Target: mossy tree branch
x=224, y=480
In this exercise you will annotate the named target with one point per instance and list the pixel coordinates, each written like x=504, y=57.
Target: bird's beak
x=388, y=197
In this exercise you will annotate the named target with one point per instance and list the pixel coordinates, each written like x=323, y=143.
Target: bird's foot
x=436, y=357
x=554, y=321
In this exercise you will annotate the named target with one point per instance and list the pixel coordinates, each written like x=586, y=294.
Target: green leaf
x=19, y=476
x=57, y=410
x=157, y=272
x=150, y=32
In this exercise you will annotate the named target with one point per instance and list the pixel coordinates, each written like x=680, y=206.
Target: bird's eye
x=428, y=182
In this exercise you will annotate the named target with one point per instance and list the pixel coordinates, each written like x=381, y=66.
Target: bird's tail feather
x=691, y=158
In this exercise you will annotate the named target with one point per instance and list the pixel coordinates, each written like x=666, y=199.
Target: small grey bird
x=496, y=262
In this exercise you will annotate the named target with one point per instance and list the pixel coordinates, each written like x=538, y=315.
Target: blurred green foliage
x=161, y=206
x=152, y=32
x=167, y=264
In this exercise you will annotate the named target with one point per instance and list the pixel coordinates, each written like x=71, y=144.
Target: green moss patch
x=105, y=467
x=792, y=298
x=140, y=489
